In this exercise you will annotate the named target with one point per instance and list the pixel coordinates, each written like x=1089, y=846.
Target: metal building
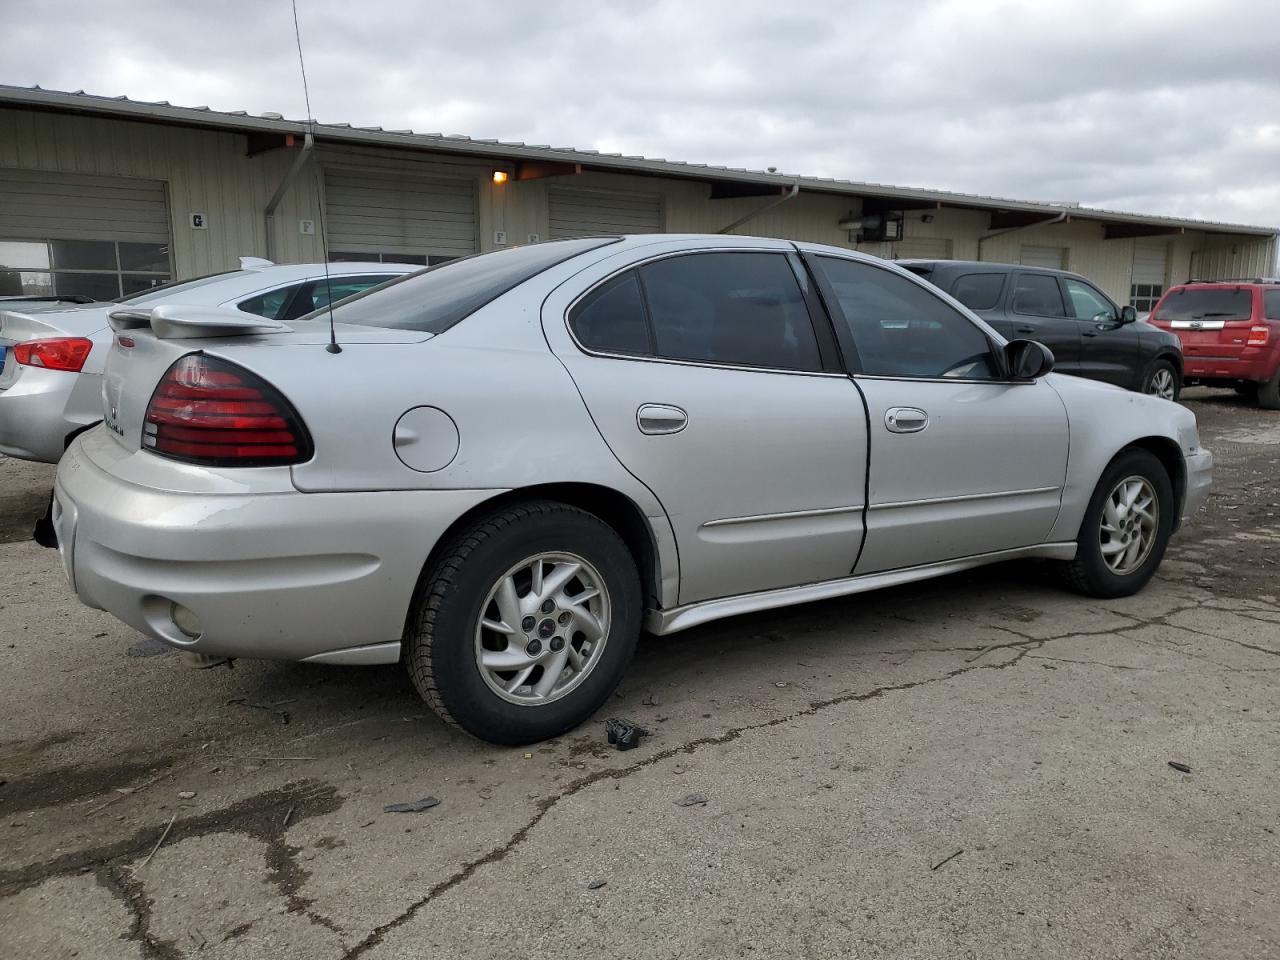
x=106, y=196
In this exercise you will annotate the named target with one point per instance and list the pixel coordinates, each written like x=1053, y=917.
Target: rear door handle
x=905, y=419
x=1025, y=329
x=659, y=418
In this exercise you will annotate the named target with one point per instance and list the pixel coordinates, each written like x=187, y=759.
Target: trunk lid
x=1211, y=320
x=148, y=343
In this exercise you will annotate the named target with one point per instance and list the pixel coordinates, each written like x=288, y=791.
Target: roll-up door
x=1053, y=258
x=380, y=214
x=593, y=213
x=66, y=233
x=1150, y=273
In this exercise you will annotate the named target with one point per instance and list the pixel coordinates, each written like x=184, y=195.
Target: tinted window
x=979, y=291
x=433, y=300
x=903, y=330
x=267, y=304
x=744, y=309
x=1271, y=304
x=1086, y=302
x=318, y=294
x=1202, y=304
x=1037, y=295
x=169, y=289
x=611, y=318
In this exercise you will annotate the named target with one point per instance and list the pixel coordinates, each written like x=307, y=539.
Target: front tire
x=525, y=623
x=1163, y=381
x=1126, y=528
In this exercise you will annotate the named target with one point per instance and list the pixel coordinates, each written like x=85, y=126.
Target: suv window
x=1271, y=304
x=903, y=330
x=611, y=317
x=1037, y=295
x=1182, y=303
x=1086, y=302
x=979, y=291
x=745, y=309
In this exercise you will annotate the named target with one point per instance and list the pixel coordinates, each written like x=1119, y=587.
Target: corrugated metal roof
x=163, y=111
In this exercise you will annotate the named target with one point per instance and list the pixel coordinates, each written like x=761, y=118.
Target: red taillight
x=1258, y=336
x=56, y=353
x=206, y=410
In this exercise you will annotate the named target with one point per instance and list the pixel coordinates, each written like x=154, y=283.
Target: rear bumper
x=288, y=576
x=1199, y=482
x=1257, y=365
x=41, y=408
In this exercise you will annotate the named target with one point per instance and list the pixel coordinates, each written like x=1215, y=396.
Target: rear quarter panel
x=1104, y=420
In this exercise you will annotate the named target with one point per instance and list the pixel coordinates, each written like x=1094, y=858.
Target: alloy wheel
x=542, y=628
x=1130, y=522
x=1162, y=384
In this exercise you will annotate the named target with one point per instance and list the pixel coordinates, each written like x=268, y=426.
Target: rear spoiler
x=172, y=321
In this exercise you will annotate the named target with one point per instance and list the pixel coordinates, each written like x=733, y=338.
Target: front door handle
x=659, y=418
x=905, y=419
x=1025, y=329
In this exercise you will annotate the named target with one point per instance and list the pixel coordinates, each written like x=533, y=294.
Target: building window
x=361, y=257
x=1144, y=296
x=101, y=269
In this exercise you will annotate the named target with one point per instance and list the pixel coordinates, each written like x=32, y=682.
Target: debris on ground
x=158, y=842
x=413, y=806
x=624, y=734
x=691, y=800
x=596, y=884
x=946, y=859
x=981, y=653
x=1180, y=767
x=186, y=794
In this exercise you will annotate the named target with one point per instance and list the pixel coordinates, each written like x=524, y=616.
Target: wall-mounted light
x=927, y=218
x=500, y=176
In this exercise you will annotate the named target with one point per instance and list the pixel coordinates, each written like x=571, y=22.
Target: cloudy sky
x=1165, y=107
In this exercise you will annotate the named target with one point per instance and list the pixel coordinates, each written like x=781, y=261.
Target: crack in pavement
x=378, y=934
x=126, y=888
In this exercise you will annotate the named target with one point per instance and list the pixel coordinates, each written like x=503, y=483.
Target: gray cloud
x=1159, y=107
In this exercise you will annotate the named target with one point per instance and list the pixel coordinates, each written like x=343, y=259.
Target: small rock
x=413, y=806
x=186, y=794
x=691, y=800
x=596, y=884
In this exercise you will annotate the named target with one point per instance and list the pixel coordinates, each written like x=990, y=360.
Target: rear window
x=1201, y=304
x=166, y=290
x=979, y=291
x=433, y=300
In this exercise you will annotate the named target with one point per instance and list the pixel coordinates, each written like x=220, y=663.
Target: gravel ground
x=973, y=767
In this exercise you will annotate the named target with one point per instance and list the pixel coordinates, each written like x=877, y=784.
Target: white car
x=498, y=469
x=52, y=353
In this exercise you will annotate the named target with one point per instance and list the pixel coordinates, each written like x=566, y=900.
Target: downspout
x=1026, y=226
x=795, y=188
x=308, y=144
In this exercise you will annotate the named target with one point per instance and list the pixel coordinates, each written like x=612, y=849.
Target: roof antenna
x=332, y=346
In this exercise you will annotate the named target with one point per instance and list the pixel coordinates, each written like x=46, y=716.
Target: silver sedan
x=500, y=470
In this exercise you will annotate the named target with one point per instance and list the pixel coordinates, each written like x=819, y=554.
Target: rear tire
x=458, y=632
x=1247, y=389
x=1269, y=393
x=1162, y=380
x=1108, y=531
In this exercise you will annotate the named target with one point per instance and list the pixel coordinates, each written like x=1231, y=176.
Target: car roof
x=983, y=266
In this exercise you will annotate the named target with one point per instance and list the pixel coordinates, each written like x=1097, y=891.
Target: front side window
x=741, y=309
x=979, y=291
x=1037, y=295
x=1086, y=302
x=902, y=330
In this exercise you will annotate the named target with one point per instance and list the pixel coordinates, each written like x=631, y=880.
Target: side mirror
x=1027, y=359
x=1128, y=314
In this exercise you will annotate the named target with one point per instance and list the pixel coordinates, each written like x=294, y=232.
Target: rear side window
x=743, y=309
x=1037, y=295
x=611, y=318
x=979, y=291
x=903, y=330
x=1206, y=304
x=1271, y=304
x=435, y=299
x=267, y=304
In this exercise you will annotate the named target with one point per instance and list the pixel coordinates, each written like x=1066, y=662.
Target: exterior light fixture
x=500, y=176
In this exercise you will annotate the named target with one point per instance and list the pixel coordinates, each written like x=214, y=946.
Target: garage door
x=75, y=234
x=593, y=213
x=923, y=248
x=1054, y=258
x=1150, y=270
x=387, y=216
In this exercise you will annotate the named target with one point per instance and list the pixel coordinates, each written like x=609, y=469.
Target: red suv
x=1230, y=333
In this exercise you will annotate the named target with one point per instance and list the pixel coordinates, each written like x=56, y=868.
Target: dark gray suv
x=1090, y=335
